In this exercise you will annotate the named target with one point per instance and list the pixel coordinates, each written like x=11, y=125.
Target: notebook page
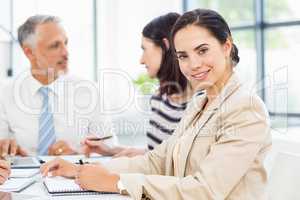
x=60, y=184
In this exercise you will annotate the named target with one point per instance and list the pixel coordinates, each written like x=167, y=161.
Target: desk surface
x=39, y=190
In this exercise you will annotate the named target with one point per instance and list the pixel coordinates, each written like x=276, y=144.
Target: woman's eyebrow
x=199, y=46
x=179, y=52
x=195, y=49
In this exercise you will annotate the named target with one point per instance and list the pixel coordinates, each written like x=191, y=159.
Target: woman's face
x=202, y=59
x=151, y=57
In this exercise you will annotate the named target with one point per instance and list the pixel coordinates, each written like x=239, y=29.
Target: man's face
x=50, y=53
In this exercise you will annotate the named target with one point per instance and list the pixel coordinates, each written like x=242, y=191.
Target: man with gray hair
x=41, y=112
x=49, y=58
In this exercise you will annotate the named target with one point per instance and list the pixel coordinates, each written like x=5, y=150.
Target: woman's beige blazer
x=220, y=156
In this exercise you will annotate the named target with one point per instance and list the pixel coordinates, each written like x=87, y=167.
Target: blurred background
x=104, y=45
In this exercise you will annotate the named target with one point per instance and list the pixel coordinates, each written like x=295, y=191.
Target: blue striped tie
x=46, y=124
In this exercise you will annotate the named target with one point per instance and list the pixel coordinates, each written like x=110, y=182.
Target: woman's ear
x=166, y=42
x=227, y=47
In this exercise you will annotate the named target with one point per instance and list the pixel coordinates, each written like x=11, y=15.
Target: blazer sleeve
x=243, y=134
x=153, y=162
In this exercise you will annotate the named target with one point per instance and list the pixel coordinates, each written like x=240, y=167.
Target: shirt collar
x=35, y=85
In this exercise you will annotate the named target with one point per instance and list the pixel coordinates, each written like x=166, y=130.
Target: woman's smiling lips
x=201, y=75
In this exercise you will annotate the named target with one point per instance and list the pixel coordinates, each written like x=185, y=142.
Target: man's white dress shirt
x=75, y=104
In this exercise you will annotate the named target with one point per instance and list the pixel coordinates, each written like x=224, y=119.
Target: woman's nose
x=195, y=62
x=142, y=60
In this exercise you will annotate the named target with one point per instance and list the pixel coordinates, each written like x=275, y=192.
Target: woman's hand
x=59, y=167
x=130, y=152
x=89, y=146
x=97, y=178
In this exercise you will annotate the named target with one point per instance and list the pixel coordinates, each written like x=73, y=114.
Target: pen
x=81, y=162
x=99, y=139
x=41, y=161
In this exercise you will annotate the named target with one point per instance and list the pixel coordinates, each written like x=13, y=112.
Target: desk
x=39, y=190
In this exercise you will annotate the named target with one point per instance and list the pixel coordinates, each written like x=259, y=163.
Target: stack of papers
x=16, y=184
x=23, y=173
x=24, y=162
x=19, y=179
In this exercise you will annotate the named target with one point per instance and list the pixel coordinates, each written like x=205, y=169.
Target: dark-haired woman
x=217, y=151
x=169, y=103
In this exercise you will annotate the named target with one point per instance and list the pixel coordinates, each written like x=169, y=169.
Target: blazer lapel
x=192, y=131
x=183, y=128
x=190, y=135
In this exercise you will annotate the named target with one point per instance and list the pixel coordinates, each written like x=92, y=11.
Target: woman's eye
x=181, y=57
x=202, y=51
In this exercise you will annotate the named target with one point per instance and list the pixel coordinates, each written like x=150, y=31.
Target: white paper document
x=23, y=173
x=16, y=184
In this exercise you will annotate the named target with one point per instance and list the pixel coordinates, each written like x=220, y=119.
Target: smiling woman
x=198, y=43
x=219, y=146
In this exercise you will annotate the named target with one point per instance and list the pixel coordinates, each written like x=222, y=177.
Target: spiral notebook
x=59, y=186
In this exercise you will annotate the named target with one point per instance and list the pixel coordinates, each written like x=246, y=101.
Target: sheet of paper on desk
x=16, y=196
x=24, y=162
x=16, y=184
x=23, y=173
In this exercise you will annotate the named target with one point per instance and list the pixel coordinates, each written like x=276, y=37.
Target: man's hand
x=61, y=148
x=10, y=147
x=4, y=171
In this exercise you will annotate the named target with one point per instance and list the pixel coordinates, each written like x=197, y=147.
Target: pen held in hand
x=81, y=162
x=99, y=139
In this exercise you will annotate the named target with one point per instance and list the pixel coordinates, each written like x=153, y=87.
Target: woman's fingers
x=50, y=167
